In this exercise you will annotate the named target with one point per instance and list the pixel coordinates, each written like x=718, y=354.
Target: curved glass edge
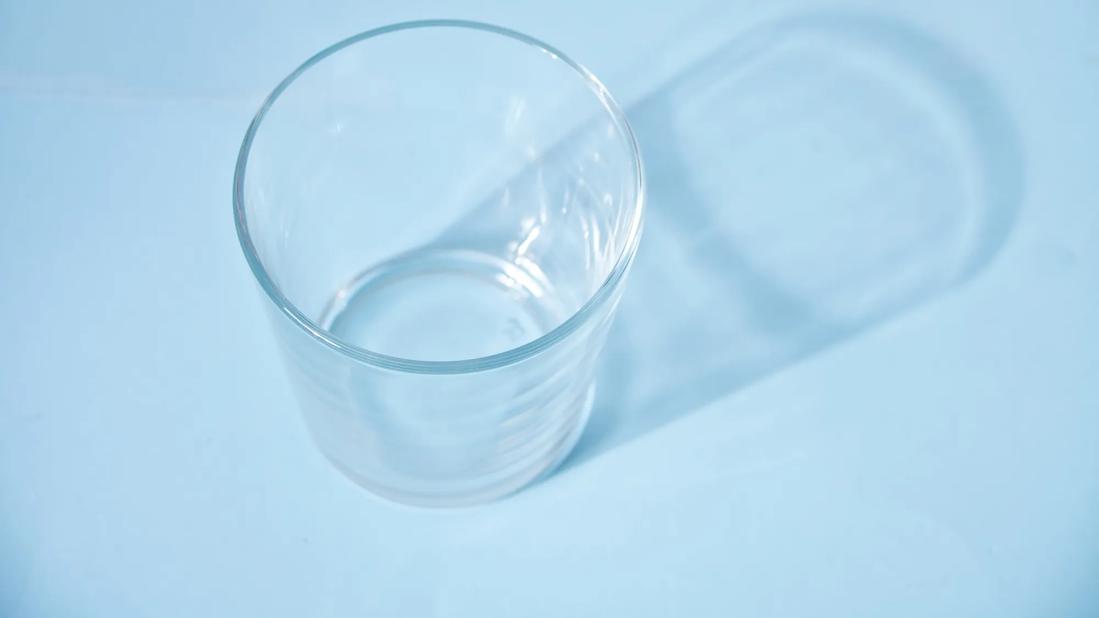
x=484, y=363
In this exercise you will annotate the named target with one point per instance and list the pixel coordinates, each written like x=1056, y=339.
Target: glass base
x=477, y=491
x=443, y=305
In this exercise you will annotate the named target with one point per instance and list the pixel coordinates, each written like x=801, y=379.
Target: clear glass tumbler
x=443, y=214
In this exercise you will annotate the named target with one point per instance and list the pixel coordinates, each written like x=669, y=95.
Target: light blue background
x=932, y=453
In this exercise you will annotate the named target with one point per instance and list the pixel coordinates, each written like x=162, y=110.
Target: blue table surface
x=928, y=448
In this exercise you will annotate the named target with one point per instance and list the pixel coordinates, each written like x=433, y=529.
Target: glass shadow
x=816, y=176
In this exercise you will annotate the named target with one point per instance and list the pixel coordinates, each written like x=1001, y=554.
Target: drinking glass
x=443, y=215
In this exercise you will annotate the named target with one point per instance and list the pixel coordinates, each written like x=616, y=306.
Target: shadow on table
x=813, y=178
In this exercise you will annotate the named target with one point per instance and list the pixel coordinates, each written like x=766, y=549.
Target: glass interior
x=439, y=193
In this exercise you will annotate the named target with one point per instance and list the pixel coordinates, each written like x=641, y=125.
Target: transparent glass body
x=443, y=215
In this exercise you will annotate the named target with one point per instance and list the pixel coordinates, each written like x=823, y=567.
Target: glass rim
x=483, y=363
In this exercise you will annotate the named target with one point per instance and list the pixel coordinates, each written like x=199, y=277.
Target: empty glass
x=443, y=215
